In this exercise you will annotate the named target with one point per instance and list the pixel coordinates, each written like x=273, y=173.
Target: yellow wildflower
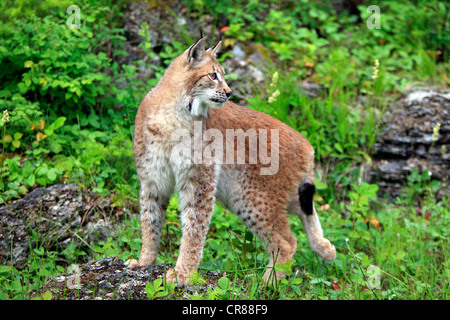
x=376, y=68
x=274, y=96
x=5, y=116
x=436, y=131
x=274, y=79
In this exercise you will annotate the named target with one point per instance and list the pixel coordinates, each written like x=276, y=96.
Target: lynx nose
x=228, y=93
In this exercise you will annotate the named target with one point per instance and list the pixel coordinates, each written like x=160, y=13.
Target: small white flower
x=5, y=116
x=436, y=131
x=274, y=79
x=376, y=68
x=274, y=96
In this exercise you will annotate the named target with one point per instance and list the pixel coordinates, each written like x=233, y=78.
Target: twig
x=88, y=210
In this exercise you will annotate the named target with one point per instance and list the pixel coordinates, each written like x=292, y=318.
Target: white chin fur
x=200, y=106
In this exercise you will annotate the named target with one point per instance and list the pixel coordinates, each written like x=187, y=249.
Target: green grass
x=409, y=251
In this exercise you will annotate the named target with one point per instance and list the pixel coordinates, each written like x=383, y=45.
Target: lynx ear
x=213, y=50
x=196, y=51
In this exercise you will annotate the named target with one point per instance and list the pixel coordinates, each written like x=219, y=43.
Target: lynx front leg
x=196, y=192
x=153, y=209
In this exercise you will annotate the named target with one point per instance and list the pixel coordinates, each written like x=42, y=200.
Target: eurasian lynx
x=191, y=95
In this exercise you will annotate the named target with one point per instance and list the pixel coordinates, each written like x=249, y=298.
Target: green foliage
x=16, y=284
x=157, y=289
x=69, y=103
x=223, y=291
x=303, y=32
x=68, y=80
x=419, y=184
x=59, y=100
x=12, y=9
x=360, y=198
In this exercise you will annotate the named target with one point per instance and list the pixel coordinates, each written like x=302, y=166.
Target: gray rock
x=250, y=74
x=406, y=141
x=238, y=53
x=110, y=279
x=55, y=213
x=312, y=90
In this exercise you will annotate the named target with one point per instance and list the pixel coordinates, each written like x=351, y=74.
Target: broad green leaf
x=41, y=171
x=224, y=283
x=51, y=174
x=297, y=290
x=297, y=281
x=28, y=64
x=320, y=185
x=39, y=251
x=107, y=245
x=47, y=295
x=4, y=270
x=157, y=283
x=365, y=261
x=160, y=294
x=16, y=143
x=55, y=125
x=15, y=285
x=149, y=290
x=97, y=249
x=248, y=236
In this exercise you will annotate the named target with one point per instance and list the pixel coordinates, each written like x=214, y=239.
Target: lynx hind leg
x=281, y=247
x=303, y=199
x=270, y=223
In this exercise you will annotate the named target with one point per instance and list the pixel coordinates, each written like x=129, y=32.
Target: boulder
x=59, y=214
x=110, y=279
x=409, y=139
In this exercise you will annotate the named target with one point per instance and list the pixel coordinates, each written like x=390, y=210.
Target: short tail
x=306, y=192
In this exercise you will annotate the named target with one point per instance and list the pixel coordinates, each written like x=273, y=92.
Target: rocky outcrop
x=410, y=139
x=170, y=24
x=110, y=279
x=58, y=214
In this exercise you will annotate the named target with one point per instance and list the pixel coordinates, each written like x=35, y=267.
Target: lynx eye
x=213, y=76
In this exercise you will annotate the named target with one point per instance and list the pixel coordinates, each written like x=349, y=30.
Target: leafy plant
x=156, y=289
x=224, y=290
x=418, y=184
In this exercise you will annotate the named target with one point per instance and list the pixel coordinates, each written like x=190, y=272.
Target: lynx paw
x=327, y=251
x=179, y=278
x=144, y=260
x=132, y=264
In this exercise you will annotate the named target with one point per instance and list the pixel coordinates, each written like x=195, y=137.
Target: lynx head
x=204, y=81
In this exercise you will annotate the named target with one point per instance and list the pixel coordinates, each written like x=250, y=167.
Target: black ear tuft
x=306, y=193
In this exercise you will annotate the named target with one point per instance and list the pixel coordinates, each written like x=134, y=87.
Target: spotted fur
x=187, y=93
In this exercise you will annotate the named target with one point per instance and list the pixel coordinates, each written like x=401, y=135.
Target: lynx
x=193, y=91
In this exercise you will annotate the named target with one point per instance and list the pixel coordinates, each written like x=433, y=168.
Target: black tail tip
x=306, y=193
